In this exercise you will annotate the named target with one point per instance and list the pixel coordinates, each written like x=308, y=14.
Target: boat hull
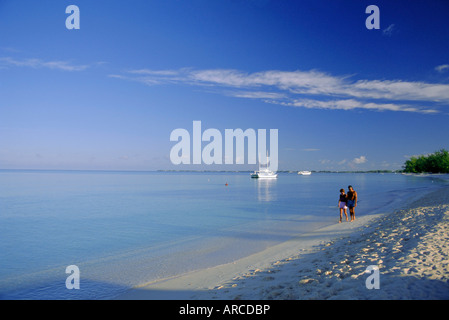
x=263, y=175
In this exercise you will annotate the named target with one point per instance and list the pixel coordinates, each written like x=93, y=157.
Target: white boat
x=305, y=173
x=264, y=173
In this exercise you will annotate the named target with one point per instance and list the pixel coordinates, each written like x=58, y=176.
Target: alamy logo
x=72, y=21
x=373, y=281
x=373, y=20
x=73, y=280
x=212, y=153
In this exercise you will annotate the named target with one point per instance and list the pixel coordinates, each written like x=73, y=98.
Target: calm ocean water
x=127, y=228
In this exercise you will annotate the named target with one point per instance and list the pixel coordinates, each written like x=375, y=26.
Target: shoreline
x=330, y=263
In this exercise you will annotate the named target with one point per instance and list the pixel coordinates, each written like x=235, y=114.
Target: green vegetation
x=437, y=162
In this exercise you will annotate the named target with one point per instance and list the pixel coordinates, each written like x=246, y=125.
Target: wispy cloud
x=442, y=68
x=310, y=149
x=388, y=31
x=256, y=95
x=308, y=89
x=38, y=63
x=350, y=104
x=9, y=49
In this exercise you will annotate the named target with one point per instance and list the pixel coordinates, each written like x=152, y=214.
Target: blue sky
x=107, y=96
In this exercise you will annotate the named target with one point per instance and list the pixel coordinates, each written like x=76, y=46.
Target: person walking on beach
x=352, y=202
x=342, y=204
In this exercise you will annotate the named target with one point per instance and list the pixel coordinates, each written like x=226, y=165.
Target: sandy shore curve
x=409, y=248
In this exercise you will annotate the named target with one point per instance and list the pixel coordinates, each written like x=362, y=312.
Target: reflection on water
x=265, y=189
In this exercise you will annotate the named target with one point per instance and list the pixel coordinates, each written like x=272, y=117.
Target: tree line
x=437, y=162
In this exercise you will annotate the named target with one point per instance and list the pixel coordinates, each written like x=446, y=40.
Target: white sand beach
x=410, y=247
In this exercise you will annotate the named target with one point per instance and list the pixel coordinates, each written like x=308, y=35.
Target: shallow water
x=127, y=228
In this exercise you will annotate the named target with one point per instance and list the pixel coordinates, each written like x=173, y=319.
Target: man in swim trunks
x=352, y=202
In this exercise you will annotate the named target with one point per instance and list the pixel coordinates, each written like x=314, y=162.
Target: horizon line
x=198, y=170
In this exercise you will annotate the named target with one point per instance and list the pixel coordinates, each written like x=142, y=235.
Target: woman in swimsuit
x=342, y=204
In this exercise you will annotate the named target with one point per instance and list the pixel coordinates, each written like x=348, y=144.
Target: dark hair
x=349, y=187
x=342, y=190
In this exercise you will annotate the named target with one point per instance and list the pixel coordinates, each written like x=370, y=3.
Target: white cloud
x=257, y=95
x=351, y=104
x=442, y=68
x=155, y=72
x=310, y=149
x=360, y=160
x=38, y=63
x=399, y=90
x=305, y=82
x=323, y=91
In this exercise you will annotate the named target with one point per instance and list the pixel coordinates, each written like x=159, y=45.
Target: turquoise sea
x=123, y=229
